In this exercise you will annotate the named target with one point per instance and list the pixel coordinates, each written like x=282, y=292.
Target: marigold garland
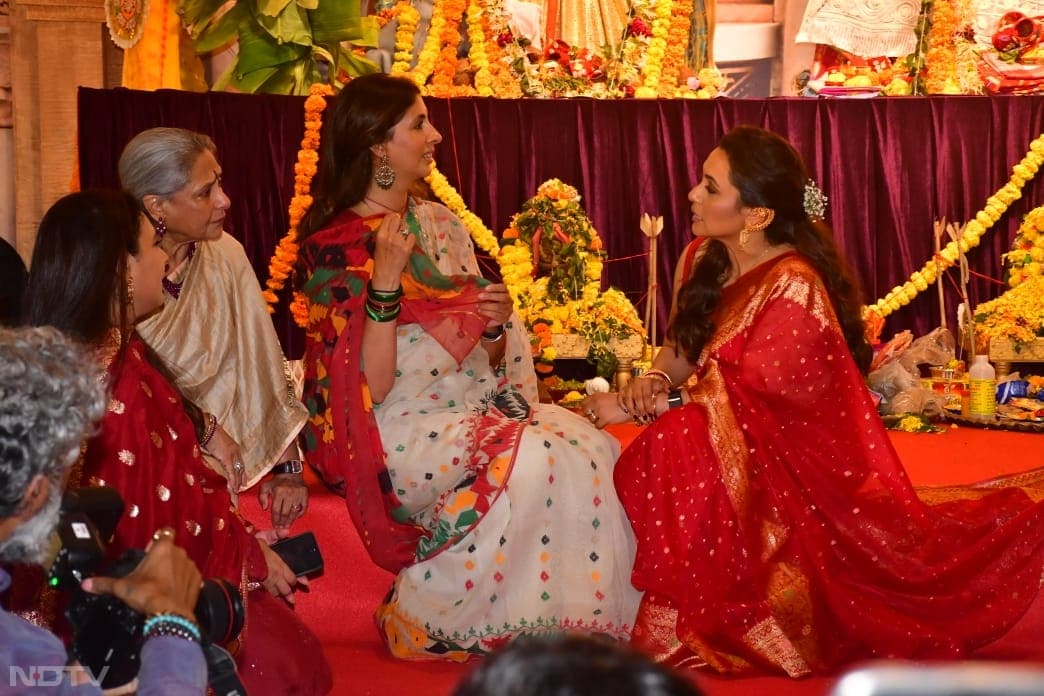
x=477, y=50
x=405, y=32
x=1026, y=257
x=996, y=205
x=677, y=44
x=430, y=51
x=652, y=70
x=596, y=315
x=941, y=57
x=445, y=66
x=282, y=263
x=441, y=187
x=1017, y=315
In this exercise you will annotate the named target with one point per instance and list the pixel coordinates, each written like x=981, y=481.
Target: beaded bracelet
x=208, y=432
x=171, y=624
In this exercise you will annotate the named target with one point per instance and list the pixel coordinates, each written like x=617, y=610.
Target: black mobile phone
x=300, y=553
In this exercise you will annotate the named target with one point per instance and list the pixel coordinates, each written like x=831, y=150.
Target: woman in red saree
x=776, y=527
x=97, y=268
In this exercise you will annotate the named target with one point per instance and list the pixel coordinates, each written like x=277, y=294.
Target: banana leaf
x=290, y=26
x=198, y=14
x=356, y=65
x=272, y=8
x=217, y=34
x=336, y=20
x=257, y=50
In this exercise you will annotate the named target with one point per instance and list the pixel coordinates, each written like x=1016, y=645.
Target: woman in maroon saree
x=97, y=267
x=776, y=527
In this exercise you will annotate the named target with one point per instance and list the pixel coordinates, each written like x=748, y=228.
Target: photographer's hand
x=165, y=582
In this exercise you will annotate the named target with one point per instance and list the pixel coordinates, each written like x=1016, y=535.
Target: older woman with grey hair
x=214, y=334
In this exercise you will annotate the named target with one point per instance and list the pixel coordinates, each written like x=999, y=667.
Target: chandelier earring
x=161, y=228
x=384, y=175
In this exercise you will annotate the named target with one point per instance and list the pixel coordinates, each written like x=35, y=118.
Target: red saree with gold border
x=776, y=527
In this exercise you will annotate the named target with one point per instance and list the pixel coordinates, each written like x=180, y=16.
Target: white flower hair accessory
x=815, y=202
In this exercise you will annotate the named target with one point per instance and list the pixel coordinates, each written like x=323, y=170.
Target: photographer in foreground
x=50, y=401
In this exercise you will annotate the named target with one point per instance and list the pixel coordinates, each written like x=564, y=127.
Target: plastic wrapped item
x=896, y=373
x=918, y=400
x=934, y=348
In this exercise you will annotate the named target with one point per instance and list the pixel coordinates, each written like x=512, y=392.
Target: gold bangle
x=660, y=375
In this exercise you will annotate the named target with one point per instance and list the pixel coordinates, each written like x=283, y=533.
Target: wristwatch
x=291, y=466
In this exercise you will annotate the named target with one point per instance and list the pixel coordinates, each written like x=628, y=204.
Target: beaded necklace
x=174, y=288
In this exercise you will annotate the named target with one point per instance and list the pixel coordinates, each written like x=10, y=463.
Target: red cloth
x=341, y=437
x=147, y=450
x=776, y=526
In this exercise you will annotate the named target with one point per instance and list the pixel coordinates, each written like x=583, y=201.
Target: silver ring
x=237, y=466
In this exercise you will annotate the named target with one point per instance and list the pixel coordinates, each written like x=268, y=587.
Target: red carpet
x=340, y=605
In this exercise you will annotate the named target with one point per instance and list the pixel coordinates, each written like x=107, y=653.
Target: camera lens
x=219, y=611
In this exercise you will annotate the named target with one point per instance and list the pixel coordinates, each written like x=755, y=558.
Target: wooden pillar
x=56, y=46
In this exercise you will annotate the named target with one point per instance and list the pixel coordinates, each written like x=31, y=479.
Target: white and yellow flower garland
x=996, y=205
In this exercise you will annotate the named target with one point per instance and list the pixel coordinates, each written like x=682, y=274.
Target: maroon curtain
x=889, y=167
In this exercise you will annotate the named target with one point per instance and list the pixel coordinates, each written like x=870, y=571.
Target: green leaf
x=273, y=8
x=335, y=20
x=257, y=50
x=356, y=65
x=198, y=12
x=291, y=26
x=221, y=32
x=251, y=81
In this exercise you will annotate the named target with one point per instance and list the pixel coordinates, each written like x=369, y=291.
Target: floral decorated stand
x=551, y=260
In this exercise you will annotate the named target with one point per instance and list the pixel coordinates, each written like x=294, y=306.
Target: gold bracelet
x=660, y=375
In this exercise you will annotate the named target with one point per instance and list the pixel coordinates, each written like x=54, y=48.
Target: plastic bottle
x=982, y=385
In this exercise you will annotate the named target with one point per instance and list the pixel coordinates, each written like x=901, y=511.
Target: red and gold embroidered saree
x=776, y=527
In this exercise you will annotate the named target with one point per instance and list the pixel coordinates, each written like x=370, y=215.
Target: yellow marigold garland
x=652, y=70
x=484, y=239
x=1017, y=315
x=677, y=44
x=430, y=51
x=477, y=51
x=285, y=256
x=1026, y=257
x=996, y=205
x=405, y=31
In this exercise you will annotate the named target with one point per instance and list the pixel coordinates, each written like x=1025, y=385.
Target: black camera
x=106, y=633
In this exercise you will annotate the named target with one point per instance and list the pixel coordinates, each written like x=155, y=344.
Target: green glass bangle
x=383, y=295
x=382, y=317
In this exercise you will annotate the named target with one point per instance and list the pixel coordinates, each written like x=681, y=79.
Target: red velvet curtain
x=889, y=167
